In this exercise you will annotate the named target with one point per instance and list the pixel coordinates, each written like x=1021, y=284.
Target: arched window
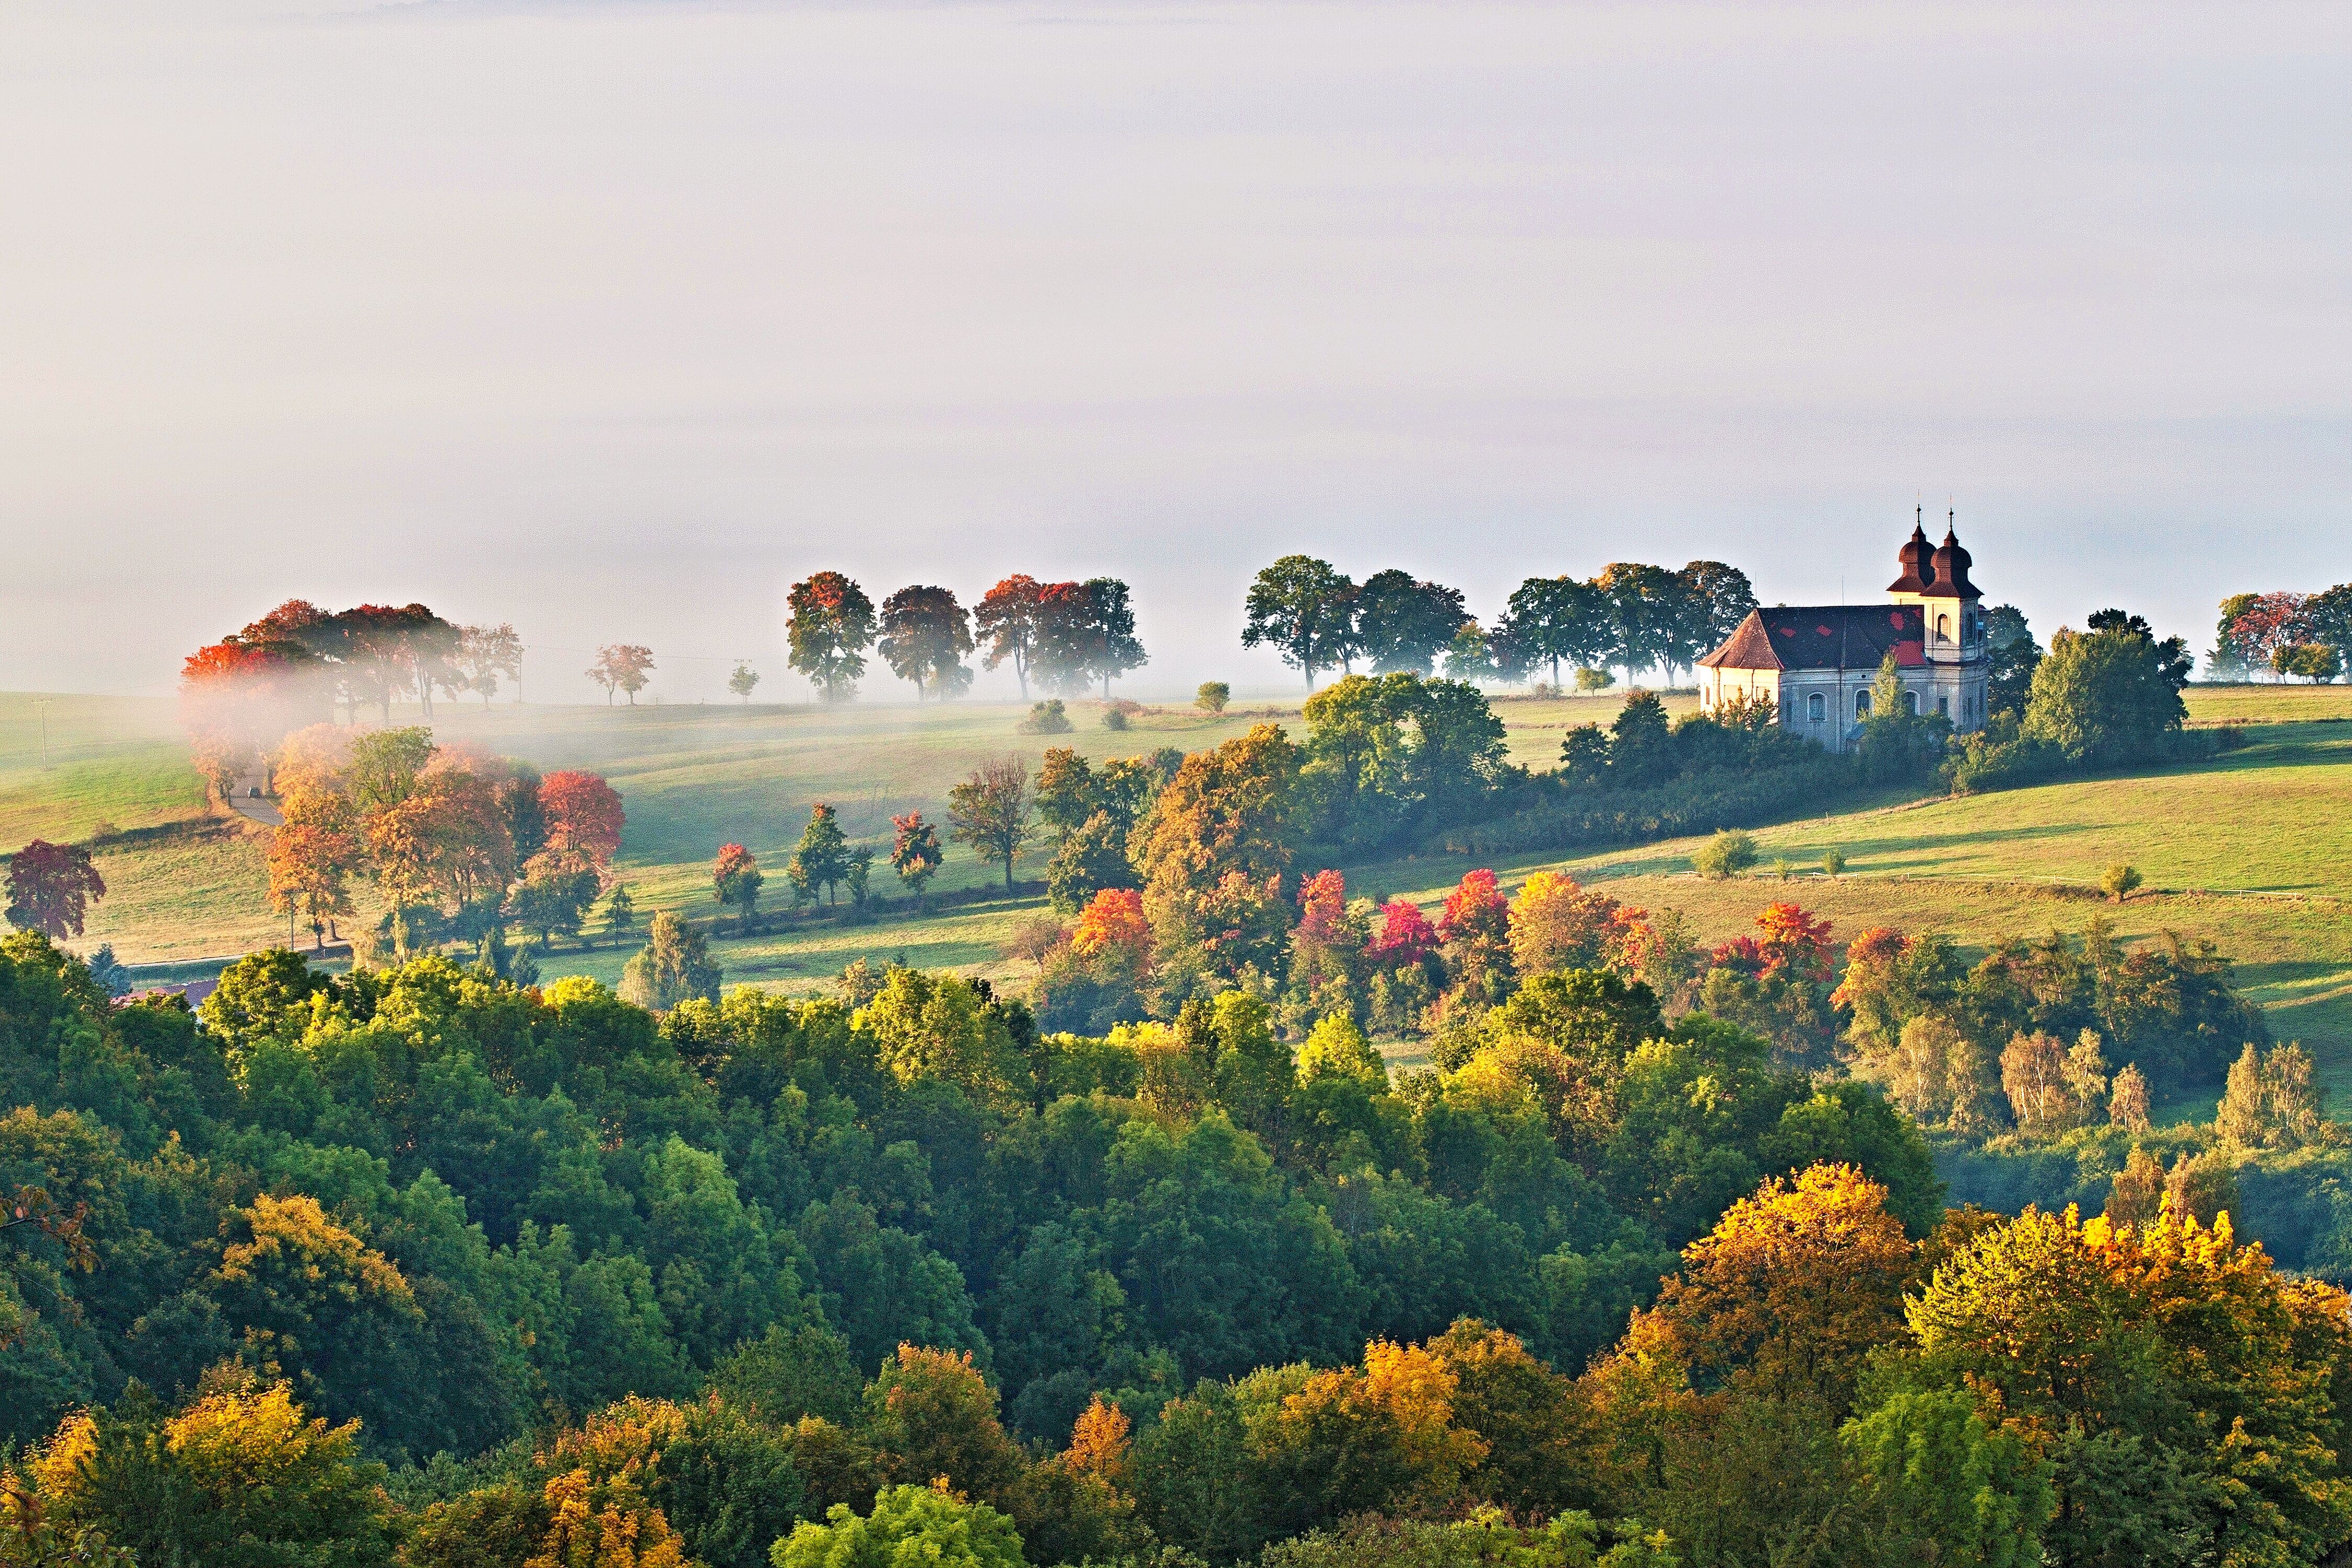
x=1816, y=708
x=1943, y=627
x=1861, y=704
x=1911, y=703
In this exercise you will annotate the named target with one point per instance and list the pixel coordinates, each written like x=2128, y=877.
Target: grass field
x=2245, y=850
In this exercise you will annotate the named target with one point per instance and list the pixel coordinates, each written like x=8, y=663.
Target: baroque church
x=1815, y=663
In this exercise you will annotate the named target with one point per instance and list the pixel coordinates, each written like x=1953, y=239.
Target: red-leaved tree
x=583, y=818
x=51, y=886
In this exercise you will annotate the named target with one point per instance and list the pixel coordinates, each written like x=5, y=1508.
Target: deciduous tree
x=821, y=859
x=584, y=818
x=52, y=888
x=484, y=653
x=735, y=877
x=915, y=852
x=622, y=667
x=1006, y=621
x=1305, y=610
x=673, y=966
x=990, y=811
x=831, y=626
x=925, y=637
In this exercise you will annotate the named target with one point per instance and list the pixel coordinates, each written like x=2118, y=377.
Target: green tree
x=1212, y=697
x=910, y=1525
x=990, y=811
x=821, y=859
x=673, y=966
x=2118, y=881
x=742, y=681
x=1304, y=609
x=2011, y=656
x=831, y=626
x=1552, y=620
x=1402, y=623
x=925, y=637
x=2101, y=697
x=1727, y=854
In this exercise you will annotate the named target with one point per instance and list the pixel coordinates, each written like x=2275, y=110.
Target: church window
x=1911, y=703
x=1815, y=707
x=1943, y=627
x=1861, y=704
x=1944, y=706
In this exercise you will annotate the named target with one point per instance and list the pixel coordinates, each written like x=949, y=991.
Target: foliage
x=909, y=1525
x=673, y=966
x=735, y=878
x=830, y=627
x=622, y=667
x=1727, y=854
x=52, y=888
x=1046, y=718
x=990, y=811
x=1212, y=697
x=925, y=636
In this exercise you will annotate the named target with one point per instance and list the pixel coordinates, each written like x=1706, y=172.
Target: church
x=1815, y=663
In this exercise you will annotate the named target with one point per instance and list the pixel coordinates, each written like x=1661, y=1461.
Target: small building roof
x=1824, y=636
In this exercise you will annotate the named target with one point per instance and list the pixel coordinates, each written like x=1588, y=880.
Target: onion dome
x=1917, y=570
x=1951, y=569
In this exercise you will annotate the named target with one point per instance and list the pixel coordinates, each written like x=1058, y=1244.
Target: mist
x=612, y=319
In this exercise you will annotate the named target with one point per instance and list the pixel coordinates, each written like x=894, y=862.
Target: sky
x=613, y=319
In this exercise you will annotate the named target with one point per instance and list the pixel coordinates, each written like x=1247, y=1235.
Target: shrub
x=1046, y=718
x=1114, y=719
x=1212, y=697
x=1832, y=864
x=2119, y=882
x=1594, y=680
x=1728, y=853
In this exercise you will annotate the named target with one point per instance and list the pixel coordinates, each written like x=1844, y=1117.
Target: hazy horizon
x=611, y=319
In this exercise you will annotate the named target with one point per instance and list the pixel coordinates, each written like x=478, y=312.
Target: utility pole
x=41, y=707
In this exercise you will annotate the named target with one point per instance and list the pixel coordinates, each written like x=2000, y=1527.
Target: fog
x=611, y=319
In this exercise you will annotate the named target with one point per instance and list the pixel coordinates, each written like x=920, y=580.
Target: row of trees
x=1632, y=615
x=2289, y=634
x=295, y=666
x=1069, y=637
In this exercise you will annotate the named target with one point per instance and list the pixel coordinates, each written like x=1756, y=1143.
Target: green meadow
x=2246, y=850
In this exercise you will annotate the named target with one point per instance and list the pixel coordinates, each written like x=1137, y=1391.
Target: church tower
x=1951, y=622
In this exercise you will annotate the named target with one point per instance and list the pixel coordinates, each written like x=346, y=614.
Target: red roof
x=1831, y=636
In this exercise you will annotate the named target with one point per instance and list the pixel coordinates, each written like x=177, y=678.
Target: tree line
x=1632, y=616
x=1068, y=637
x=2290, y=634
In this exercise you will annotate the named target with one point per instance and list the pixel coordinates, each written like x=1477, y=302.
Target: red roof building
x=1817, y=664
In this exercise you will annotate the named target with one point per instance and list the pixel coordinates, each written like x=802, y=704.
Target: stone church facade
x=1815, y=663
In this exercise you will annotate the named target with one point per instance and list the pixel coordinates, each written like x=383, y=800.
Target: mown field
x=2246, y=850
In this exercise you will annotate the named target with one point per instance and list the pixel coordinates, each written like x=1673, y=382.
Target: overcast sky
x=613, y=319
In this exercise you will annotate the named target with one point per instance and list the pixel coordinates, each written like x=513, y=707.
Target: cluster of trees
x=460, y=847
x=2108, y=696
x=1632, y=615
x=1070, y=636
x=415, y=1266
x=295, y=666
x=2041, y=1037
x=2289, y=634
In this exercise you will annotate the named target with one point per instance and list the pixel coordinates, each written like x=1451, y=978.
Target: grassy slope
x=2242, y=851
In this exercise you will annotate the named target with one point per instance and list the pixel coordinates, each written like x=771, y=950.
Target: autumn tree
x=1792, y=1288
x=1211, y=856
x=990, y=811
x=622, y=667
x=52, y=888
x=831, y=626
x=735, y=877
x=2173, y=1383
x=309, y=867
x=1006, y=620
x=584, y=817
x=484, y=653
x=1304, y=610
x=925, y=636
x=915, y=852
